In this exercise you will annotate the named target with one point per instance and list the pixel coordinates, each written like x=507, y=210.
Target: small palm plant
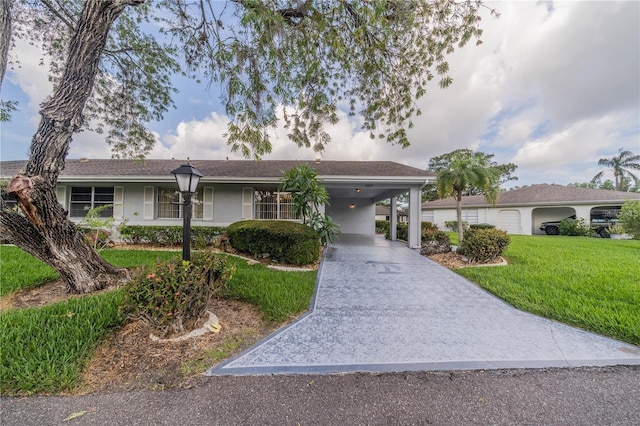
x=616, y=229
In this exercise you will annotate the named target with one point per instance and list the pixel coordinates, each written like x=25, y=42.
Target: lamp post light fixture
x=187, y=178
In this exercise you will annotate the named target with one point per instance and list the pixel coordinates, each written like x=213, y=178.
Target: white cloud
x=565, y=153
x=554, y=87
x=31, y=73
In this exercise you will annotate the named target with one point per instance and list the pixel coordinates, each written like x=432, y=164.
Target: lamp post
x=187, y=178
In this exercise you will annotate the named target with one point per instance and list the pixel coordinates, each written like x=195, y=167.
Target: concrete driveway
x=382, y=307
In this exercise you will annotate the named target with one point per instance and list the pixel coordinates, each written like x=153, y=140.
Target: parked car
x=553, y=227
x=599, y=225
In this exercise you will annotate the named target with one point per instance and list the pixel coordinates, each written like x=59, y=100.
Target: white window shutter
x=149, y=202
x=61, y=195
x=118, y=202
x=247, y=203
x=207, y=203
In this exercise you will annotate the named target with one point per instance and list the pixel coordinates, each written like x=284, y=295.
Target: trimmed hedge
x=288, y=242
x=482, y=226
x=201, y=236
x=483, y=245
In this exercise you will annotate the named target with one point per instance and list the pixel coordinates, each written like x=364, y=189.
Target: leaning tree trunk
x=44, y=229
x=5, y=35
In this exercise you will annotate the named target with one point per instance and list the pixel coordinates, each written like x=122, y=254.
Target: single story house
x=522, y=210
x=384, y=213
x=145, y=192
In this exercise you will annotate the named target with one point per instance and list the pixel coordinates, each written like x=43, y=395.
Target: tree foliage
x=113, y=72
x=372, y=58
x=308, y=196
x=133, y=84
x=626, y=185
x=630, y=218
x=621, y=166
x=442, y=162
x=466, y=170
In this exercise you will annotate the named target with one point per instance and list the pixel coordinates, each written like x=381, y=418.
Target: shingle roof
x=223, y=168
x=539, y=194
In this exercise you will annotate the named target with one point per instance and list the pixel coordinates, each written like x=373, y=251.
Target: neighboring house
x=145, y=193
x=384, y=213
x=522, y=210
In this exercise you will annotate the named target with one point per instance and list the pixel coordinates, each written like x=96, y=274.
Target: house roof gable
x=538, y=194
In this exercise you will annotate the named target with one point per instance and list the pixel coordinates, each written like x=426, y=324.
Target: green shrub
x=574, y=228
x=402, y=231
x=382, y=227
x=287, y=242
x=434, y=241
x=171, y=292
x=201, y=236
x=452, y=225
x=326, y=228
x=483, y=245
x=98, y=239
x=482, y=226
x=630, y=218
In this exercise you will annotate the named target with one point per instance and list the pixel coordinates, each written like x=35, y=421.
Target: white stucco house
x=384, y=213
x=145, y=192
x=522, y=210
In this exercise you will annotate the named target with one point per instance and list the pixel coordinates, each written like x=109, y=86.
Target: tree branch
x=65, y=19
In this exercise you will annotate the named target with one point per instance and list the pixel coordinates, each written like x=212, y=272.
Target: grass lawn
x=587, y=282
x=43, y=350
x=591, y=283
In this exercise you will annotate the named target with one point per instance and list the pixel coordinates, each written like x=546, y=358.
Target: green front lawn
x=591, y=283
x=587, y=282
x=44, y=349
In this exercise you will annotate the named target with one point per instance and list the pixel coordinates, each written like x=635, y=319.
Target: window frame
x=280, y=208
x=197, y=205
x=92, y=201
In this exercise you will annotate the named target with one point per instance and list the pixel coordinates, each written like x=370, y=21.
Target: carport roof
x=539, y=195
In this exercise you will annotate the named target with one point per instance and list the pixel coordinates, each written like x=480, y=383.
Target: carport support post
x=414, y=217
x=393, y=220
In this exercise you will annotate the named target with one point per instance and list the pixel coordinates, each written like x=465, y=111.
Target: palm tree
x=464, y=172
x=620, y=164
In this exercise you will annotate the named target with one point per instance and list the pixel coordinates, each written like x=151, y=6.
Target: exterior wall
x=359, y=219
x=442, y=216
x=227, y=204
x=227, y=207
x=530, y=217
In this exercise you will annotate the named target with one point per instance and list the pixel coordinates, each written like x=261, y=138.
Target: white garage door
x=509, y=220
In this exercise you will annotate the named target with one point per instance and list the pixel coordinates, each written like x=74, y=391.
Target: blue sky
x=554, y=87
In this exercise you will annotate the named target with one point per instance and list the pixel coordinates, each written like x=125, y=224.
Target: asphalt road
x=571, y=396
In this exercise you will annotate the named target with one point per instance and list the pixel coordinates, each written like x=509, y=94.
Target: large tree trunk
x=44, y=229
x=5, y=35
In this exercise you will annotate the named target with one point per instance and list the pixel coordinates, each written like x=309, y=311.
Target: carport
x=352, y=204
x=548, y=214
